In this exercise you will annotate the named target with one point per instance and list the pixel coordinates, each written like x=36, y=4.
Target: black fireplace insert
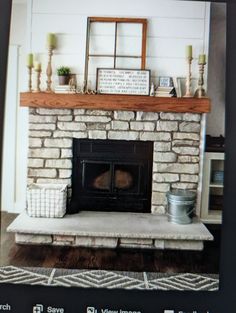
x=111, y=175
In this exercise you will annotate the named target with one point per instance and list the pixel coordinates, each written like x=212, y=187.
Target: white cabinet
x=212, y=188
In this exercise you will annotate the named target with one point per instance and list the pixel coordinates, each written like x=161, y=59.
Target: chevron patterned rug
x=108, y=279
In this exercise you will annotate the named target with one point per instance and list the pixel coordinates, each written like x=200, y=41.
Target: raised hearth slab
x=110, y=230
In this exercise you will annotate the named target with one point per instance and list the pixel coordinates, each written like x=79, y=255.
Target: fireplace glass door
x=111, y=175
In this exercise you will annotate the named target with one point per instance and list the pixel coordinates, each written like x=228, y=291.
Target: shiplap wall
x=171, y=26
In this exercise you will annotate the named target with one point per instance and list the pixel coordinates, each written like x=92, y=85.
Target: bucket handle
x=179, y=216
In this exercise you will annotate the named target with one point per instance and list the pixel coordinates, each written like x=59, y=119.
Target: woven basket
x=46, y=200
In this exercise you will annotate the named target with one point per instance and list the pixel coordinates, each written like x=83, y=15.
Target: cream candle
x=37, y=66
x=202, y=59
x=30, y=60
x=51, y=40
x=189, y=51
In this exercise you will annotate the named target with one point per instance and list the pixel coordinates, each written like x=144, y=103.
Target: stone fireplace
x=175, y=138
x=126, y=159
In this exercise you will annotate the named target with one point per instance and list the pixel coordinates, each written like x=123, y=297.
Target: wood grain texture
x=115, y=102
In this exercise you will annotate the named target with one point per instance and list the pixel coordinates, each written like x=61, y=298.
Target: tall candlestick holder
x=49, y=69
x=188, y=93
x=200, y=92
x=30, y=78
x=38, y=80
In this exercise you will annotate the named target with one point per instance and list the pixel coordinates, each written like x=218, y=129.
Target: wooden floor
x=166, y=261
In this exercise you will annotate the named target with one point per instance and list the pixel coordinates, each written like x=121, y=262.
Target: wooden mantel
x=115, y=102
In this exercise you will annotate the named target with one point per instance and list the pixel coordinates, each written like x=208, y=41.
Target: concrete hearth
x=100, y=229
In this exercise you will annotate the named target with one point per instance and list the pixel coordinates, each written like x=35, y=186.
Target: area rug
x=108, y=279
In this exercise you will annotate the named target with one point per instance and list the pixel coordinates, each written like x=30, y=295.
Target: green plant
x=63, y=71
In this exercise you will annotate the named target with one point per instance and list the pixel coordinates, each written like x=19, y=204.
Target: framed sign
x=123, y=81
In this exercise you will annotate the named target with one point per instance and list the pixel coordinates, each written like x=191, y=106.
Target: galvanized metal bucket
x=180, y=206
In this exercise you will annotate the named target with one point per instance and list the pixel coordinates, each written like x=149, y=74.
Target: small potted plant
x=63, y=73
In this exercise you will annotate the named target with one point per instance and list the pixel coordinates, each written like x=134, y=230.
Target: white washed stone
x=148, y=126
x=98, y=112
x=177, y=168
x=80, y=135
x=47, y=173
x=119, y=125
x=162, y=146
x=188, y=159
x=35, y=142
x=65, y=173
x=187, y=136
x=73, y=126
x=79, y=111
x=97, y=126
x=42, y=119
x=35, y=162
x=32, y=110
x=190, y=117
x=44, y=153
x=69, y=134
x=66, y=181
x=171, y=116
x=164, y=157
x=94, y=119
x=146, y=116
x=178, y=143
x=123, y=135
x=167, y=126
x=166, y=177
x=161, y=187
x=124, y=115
x=158, y=209
x=186, y=150
x=97, y=134
x=160, y=136
x=99, y=242
x=189, y=178
x=53, y=111
x=35, y=133
x=42, y=126
x=30, y=181
x=66, y=153
x=65, y=118
x=60, y=143
x=184, y=185
x=190, y=127
x=135, y=243
x=22, y=238
x=60, y=163
x=159, y=198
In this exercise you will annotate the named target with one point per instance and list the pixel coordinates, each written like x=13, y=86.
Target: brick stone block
x=73, y=126
x=61, y=163
x=99, y=112
x=119, y=125
x=42, y=119
x=124, y=115
x=35, y=163
x=97, y=134
x=60, y=143
x=35, y=142
x=65, y=118
x=123, y=135
x=66, y=153
x=164, y=157
x=94, y=119
x=53, y=112
x=36, y=134
x=161, y=187
x=184, y=185
x=65, y=173
x=186, y=136
x=42, y=126
x=44, y=153
x=167, y=126
x=148, y=126
x=47, y=173
x=158, y=136
x=165, y=177
x=146, y=116
x=191, y=117
x=158, y=209
x=162, y=146
x=186, y=150
x=189, y=178
x=158, y=198
x=177, y=168
x=188, y=159
x=171, y=116
x=190, y=127
x=78, y=111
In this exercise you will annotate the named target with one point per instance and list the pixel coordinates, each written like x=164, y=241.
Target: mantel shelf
x=115, y=102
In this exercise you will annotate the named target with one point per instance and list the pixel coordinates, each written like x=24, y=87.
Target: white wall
x=171, y=26
x=16, y=118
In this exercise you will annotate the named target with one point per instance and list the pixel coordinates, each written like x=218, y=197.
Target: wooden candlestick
x=188, y=93
x=30, y=78
x=38, y=81
x=200, y=92
x=49, y=69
